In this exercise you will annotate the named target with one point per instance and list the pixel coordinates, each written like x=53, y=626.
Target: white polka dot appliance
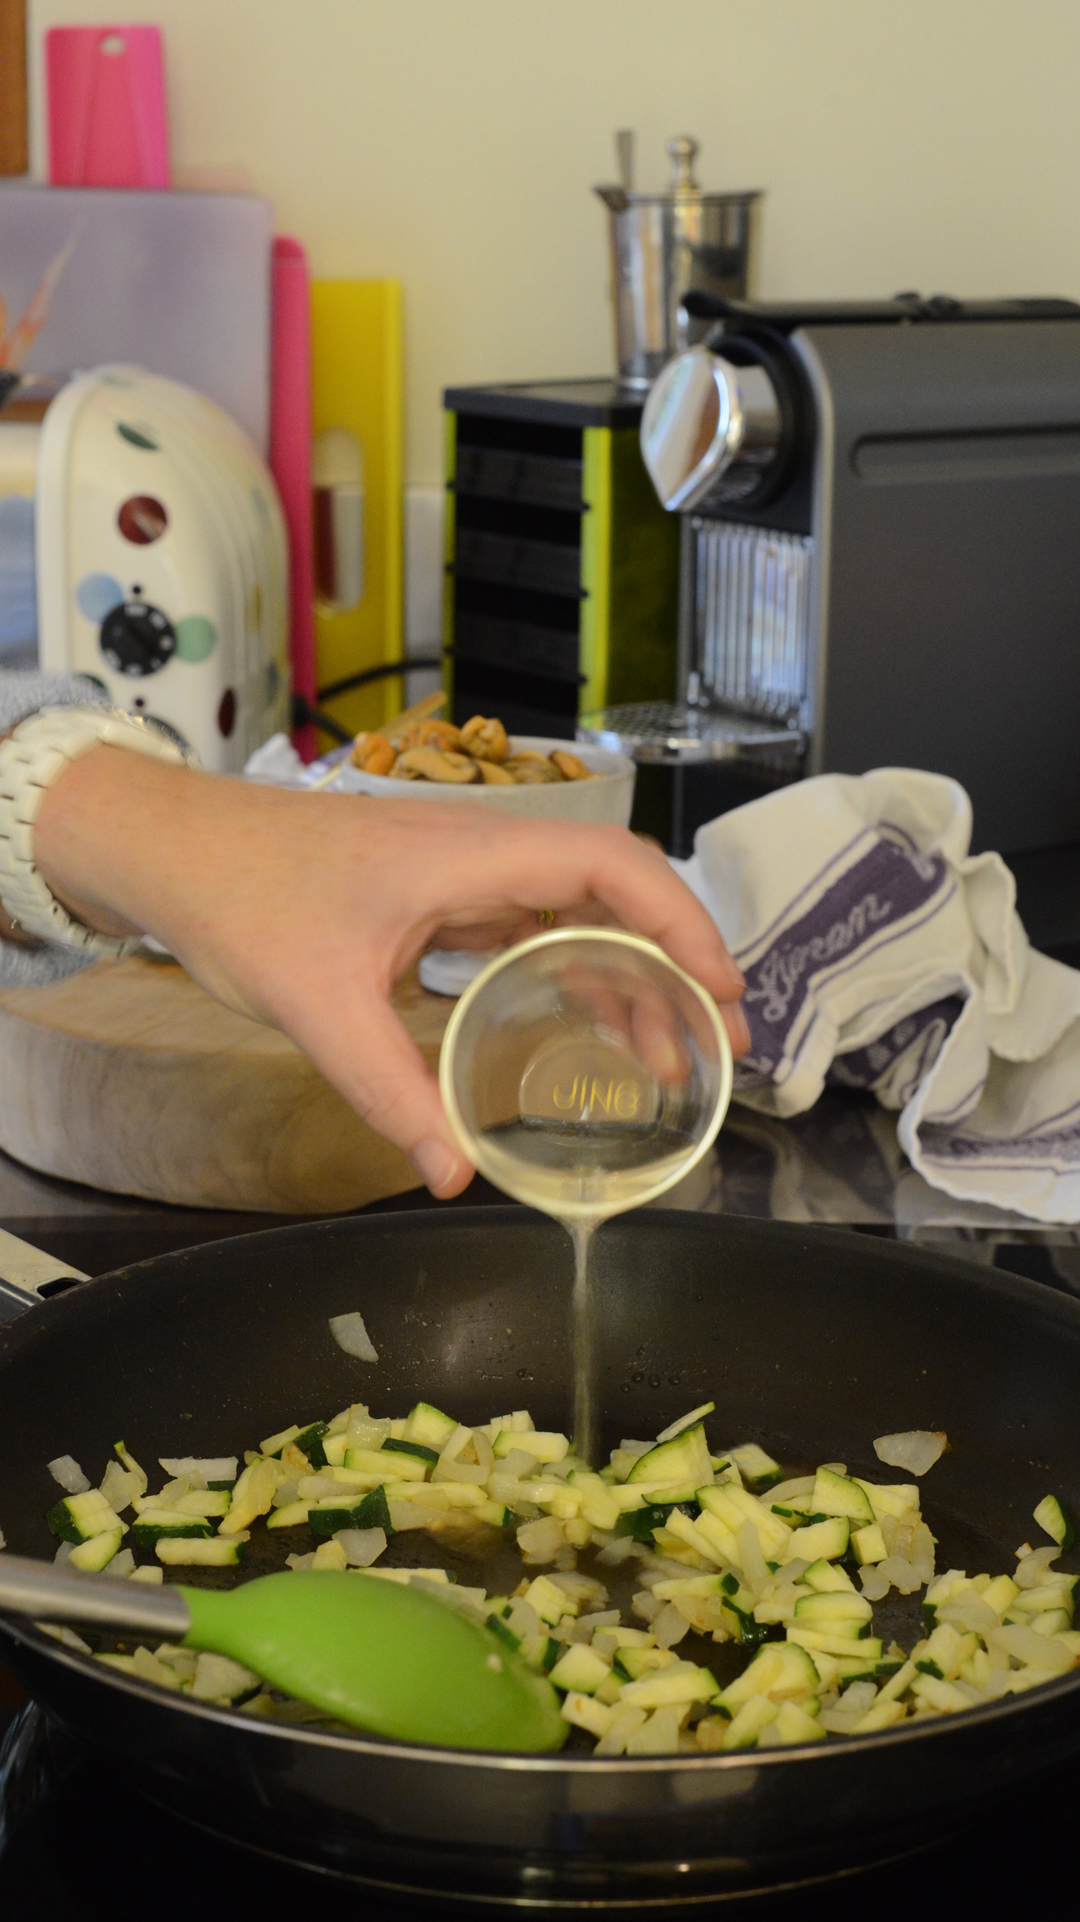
x=160, y=558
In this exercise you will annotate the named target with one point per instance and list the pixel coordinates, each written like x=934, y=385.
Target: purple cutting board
x=179, y=283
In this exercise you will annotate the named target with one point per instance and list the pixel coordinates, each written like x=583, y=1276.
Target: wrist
x=92, y=833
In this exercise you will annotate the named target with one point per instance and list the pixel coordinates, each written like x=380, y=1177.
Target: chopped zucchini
x=292, y=1515
x=837, y=1495
x=827, y=1579
x=684, y=1458
x=429, y=1426
x=215, y=1551
x=78, y=1518
x=832, y=1640
x=894, y=1499
x=544, y=1446
x=677, y=1682
x=795, y=1725
x=372, y=1511
x=99, y=1550
x=155, y=1523
x=632, y=1663
x=819, y=1541
x=419, y=1450
x=580, y=1668
x=686, y=1421
x=781, y=1668
x=388, y=1462
x=550, y=1602
x=758, y=1470
x=274, y=1444
x=310, y=1443
x=833, y=1606
x=1052, y=1517
x=868, y=1544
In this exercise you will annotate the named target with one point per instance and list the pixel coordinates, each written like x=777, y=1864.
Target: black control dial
x=137, y=638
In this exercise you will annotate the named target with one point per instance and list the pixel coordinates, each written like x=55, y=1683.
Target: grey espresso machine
x=880, y=554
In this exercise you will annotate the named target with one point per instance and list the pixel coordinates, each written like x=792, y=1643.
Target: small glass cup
x=584, y=1073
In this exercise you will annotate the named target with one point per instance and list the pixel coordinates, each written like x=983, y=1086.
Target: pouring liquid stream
x=582, y=1173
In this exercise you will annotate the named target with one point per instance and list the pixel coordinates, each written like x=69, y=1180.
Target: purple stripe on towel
x=865, y=1066
x=1058, y=1147
x=887, y=886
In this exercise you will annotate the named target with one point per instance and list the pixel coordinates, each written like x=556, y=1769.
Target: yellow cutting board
x=356, y=382
x=130, y=1078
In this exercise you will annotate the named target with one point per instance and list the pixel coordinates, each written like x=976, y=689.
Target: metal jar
x=661, y=246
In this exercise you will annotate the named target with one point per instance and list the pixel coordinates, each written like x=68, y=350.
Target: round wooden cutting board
x=131, y=1078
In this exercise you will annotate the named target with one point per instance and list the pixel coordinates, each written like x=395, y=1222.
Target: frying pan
x=812, y=1342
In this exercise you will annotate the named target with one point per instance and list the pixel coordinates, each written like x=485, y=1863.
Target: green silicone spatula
x=387, y=1658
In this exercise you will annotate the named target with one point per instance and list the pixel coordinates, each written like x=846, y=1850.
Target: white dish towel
x=880, y=954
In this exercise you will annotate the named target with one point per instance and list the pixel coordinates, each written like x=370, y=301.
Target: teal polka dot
x=137, y=436
x=196, y=638
x=97, y=595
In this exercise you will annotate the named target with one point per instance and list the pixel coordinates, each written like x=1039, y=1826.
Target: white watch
x=31, y=759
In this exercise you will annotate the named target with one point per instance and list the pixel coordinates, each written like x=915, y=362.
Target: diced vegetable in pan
x=749, y=1592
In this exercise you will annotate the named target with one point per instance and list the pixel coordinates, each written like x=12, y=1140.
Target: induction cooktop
x=79, y=1844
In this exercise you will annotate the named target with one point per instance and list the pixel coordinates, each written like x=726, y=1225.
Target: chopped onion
x=518, y=1463
x=120, y=1487
x=915, y=1451
x=669, y=1626
x=458, y=1471
x=540, y=1541
x=65, y=1470
x=351, y=1335
x=799, y=1485
x=121, y=1565
x=65, y=1635
x=523, y=1618
x=405, y=1515
x=361, y=1546
x=620, y=1550
x=1035, y=1568
x=216, y=1468
x=901, y=1574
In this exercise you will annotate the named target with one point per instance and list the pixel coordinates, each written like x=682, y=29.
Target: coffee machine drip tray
x=674, y=733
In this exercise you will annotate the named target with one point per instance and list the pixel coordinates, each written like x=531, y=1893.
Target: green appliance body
x=562, y=569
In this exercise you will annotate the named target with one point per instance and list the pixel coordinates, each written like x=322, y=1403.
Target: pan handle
x=26, y=1272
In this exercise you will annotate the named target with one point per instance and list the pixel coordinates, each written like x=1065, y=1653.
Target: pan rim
x=937, y=1727
x=1000, y=1282
x=1020, y=1290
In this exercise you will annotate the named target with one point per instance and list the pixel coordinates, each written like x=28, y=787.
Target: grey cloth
x=21, y=694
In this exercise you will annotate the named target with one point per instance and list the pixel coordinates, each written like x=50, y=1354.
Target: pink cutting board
x=107, y=120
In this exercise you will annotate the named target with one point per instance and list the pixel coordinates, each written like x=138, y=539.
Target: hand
x=302, y=910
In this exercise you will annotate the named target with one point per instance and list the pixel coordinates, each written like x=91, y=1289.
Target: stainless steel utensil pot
x=662, y=245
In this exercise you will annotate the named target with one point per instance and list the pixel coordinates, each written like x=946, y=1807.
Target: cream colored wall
x=902, y=143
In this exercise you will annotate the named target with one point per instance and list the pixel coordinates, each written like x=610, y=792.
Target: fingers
x=372, y=1061
x=567, y=867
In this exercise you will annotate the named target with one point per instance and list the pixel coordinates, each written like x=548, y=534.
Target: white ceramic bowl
x=607, y=799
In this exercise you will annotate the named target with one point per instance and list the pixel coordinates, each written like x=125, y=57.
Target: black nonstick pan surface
x=810, y=1341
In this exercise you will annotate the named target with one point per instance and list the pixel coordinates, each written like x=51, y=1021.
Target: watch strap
x=32, y=757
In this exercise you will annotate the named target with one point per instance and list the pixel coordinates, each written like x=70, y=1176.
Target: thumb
x=381, y=1072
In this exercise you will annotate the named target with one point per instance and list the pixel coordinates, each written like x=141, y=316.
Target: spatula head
x=383, y=1656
